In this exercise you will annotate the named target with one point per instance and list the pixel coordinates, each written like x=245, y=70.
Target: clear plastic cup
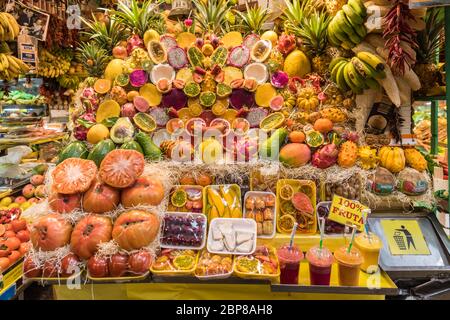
x=320, y=262
x=289, y=259
x=349, y=264
x=370, y=246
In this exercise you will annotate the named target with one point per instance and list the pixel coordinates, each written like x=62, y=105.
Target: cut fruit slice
x=157, y=51
x=277, y=102
x=162, y=71
x=261, y=50
x=141, y=104
x=122, y=80
x=255, y=116
x=286, y=223
x=264, y=94
x=151, y=94
x=223, y=90
x=286, y=192
x=102, y=86
x=186, y=39
x=314, y=139
x=195, y=57
x=177, y=57
x=192, y=89
x=272, y=121
x=168, y=42
x=185, y=74
x=145, y=122
x=192, y=101
x=179, y=198
x=121, y=167
x=207, y=98
x=251, y=40
x=218, y=108
x=184, y=114
x=230, y=115
x=160, y=115
x=239, y=56
x=302, y=203
x=195, y=109
x=232, y=39
x=257, y=71
x=219, y=56
x=175, y=125
x=74, y=175
x=107, y=109
x=231, y=74
x=288, y=208
x=183, y=262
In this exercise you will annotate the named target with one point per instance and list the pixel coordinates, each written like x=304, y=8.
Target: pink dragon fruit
x=286, y=43
x=80, y=132
x=326, y=156
x=83, y=123
x=134, y=42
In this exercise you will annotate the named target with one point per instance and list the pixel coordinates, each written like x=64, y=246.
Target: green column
x=434, y=127
x=447, y=76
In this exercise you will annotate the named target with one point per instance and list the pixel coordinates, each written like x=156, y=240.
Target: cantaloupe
x=295, y=154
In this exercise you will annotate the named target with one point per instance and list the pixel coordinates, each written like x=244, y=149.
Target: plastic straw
x=366, y=213
x=322, y=230
x=351, y=241
x=294, y=230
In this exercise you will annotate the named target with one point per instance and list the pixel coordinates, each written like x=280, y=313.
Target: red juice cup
x=320, y=262
x=289, y=259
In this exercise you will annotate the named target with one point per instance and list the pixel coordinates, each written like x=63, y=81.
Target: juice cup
x=349, y=264
x=320, y=262
x=289, y=259
x=370, y=246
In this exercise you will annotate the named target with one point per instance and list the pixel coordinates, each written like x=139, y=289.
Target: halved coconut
x=257, y=71
x=161, y=71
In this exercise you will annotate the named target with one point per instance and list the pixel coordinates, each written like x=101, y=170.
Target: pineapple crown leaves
x=313, y=31
x=106, y=34
x=295, y=12
x=430, y=39
x=93, y=57
x=211, y=14
x=254, y=18
x=139, y=16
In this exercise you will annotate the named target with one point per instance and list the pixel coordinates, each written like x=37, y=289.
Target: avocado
x=122, y=131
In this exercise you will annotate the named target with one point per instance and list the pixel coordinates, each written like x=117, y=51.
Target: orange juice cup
x=349, y=264
x=370, y=246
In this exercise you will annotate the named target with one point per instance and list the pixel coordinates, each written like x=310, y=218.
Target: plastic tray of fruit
x=232, y=236
x=262, y=264
x=212, y=266
x=349, y=189
x=264, y=179
x=222, y=201
x=296, y=202
x=331, y=227
x=182, y=230
x=171, y=262
x=186, y=198
x=261, y=207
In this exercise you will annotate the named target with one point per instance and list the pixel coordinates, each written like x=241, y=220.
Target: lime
x=183, y=262
x=195, y=109
x=144, y=121
x=272, y=121
x=178, y=198
x=122, y=80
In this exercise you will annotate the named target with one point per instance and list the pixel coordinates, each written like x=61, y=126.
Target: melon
x=297, y=64
x=232, y=39
x=114, y=68
x=295, y=154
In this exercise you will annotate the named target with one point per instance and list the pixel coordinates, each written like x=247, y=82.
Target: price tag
x=347, y=212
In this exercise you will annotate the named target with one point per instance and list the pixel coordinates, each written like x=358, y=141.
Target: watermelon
x=76, y=149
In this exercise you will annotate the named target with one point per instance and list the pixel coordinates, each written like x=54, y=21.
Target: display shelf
x=429, y=98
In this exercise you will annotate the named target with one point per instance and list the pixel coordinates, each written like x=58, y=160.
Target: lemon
x=6, y=201
x=25, y=205
x=97, y=133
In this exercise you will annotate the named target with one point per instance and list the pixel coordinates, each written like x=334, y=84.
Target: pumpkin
x=135, y=229
x=50, y=232
x=88, y=233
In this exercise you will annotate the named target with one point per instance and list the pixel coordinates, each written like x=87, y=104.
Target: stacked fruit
x=359, y=73
x=10, y=66
x=53, y=65
x=14, y=237
x=33, y=192
x=186, y=230
x=223, y=201
x=347, y=28
x=9, y=28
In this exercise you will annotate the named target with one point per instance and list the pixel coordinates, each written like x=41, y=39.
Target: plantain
x=216, y=201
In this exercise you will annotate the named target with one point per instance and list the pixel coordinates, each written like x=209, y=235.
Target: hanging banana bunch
x=10, y=66
x=9, y=28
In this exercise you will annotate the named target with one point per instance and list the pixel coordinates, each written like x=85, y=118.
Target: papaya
x=100, y=150
x=295, y=155
x=269, y=148
x=151, y=150
x=132, y=145
x=76, y=149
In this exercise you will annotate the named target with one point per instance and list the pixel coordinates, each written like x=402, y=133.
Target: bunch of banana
x=9, y=28
x=52, y=65
x=358, y=73
x=224, y=202
x=11, y=67
x=347, y=28
x=69, y=81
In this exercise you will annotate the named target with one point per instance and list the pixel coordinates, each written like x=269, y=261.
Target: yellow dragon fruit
x=415, y=159
x=368, y=157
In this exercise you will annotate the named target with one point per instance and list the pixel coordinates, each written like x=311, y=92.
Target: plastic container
x=331, y=227
x=184, y=216
x=207, y=206
x=349, y=264
x=273, y=209
x=309, y=188
x=186, y=208
x=245, y=225
x=370, y=250
x=259, y=276
x=320, y=262
x=212, y=276
x=289, y=259
x=175, y=272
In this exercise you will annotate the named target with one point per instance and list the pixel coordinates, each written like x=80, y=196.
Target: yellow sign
x=11, y=277
x=405, y=237
x=347, y=212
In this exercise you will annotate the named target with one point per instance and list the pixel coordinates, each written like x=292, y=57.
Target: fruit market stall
x=210, y=153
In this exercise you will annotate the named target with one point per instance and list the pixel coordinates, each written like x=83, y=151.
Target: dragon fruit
x=90, y=95
x=138, y=78
x=279, y=79
x=84, y=122
x=286, y=43
x=326, y=156
x=134, y=42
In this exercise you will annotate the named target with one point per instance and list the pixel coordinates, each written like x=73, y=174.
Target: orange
x=97, y=133
x=297, y=136
x=102, y=86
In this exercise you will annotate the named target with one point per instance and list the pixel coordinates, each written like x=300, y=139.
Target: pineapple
x=94, y=58
x=334, y=114
x=347, y=154
x=333, y=6
x=253, y=19
x=105, y=34
x=211, y=15
x=429, y=41
x=415, y=159
x=368, y=157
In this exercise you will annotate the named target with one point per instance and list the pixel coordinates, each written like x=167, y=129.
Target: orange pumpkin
x=135, y=229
